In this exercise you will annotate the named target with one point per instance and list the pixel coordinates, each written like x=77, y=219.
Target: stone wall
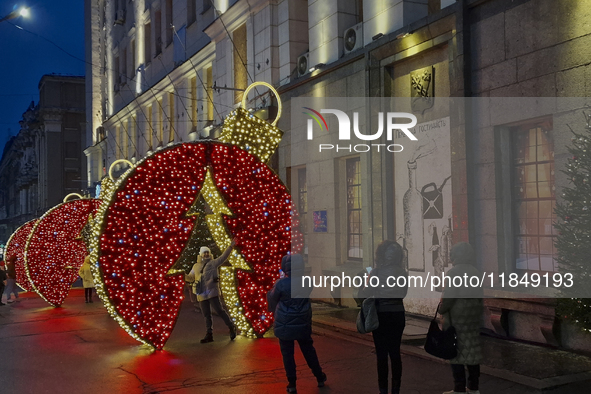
x=536, y=49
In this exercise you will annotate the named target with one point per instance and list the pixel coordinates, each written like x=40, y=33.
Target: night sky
x=26, y=57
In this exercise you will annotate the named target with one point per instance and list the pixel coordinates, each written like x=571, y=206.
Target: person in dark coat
x=293, y=321
x=462, y=308
x=388, y=336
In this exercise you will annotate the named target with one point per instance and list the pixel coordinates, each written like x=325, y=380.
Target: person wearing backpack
x=208, y=291
x=293, y=322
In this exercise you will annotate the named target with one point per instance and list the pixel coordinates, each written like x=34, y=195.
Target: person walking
x=85, y=273
x=293, y=322
x=209, y=296
x=3, y=279
x=11, y=287
x=462, y=307
x=390, y=308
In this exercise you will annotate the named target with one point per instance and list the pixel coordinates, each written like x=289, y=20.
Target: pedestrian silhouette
x=461, y=308
x=390, y=308
x=11, y=287
x=293, y=321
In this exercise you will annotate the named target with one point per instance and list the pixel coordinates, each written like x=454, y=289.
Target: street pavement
x=79, y=348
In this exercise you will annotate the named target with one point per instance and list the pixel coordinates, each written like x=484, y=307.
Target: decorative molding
x=422, y=83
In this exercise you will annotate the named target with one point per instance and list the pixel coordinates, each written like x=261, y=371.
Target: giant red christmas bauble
x=55, y=251
x=145, y=228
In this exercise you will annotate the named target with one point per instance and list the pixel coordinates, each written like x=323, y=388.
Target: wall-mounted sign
x=421, y=89
x=320, y=222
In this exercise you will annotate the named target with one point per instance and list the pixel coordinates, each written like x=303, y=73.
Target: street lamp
x=22, y=11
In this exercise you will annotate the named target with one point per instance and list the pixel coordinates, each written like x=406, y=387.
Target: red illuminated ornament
x=55, y=251
x=16, y=247
x=147, y=224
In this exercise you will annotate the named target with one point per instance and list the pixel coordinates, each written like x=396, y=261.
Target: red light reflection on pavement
x=160, y=366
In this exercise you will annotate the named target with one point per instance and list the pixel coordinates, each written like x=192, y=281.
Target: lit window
x=240, y=62
x=302, y=199
x=172, y=116
x=150, y=129
x=533, y=186
x=193, y=103
x=160, y=123
x=209, y=91
x=354, y=228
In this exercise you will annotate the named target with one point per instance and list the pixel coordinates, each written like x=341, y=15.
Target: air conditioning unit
x=303, y=64
x=353, y=38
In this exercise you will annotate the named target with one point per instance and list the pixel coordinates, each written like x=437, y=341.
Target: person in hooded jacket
x=293, y=321
x=85, y=273
x=388, y=336
x=209, y=297
x=462, y=308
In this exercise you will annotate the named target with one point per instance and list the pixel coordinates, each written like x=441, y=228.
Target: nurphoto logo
x=390, y=118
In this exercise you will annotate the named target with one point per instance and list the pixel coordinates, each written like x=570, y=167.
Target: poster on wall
x=423, y=192
x=320, y=222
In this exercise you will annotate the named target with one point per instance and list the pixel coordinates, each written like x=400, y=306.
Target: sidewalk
x=79, y=349
x=542, y=369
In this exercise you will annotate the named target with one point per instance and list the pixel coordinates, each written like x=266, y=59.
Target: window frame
x=349, y=210
x=506, y=201
x=518, y=234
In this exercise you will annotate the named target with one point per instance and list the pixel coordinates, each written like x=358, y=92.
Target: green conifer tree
x=574, y=230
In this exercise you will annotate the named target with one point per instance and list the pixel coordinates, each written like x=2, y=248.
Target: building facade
x=167, y=71
x=44, y=161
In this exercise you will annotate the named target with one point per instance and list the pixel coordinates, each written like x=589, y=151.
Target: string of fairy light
x=136, y=253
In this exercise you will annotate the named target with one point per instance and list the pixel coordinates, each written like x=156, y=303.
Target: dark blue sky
x=26, y=57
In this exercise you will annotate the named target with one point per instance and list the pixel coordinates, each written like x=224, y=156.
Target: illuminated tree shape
x=200, y=236
x=219, y=231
